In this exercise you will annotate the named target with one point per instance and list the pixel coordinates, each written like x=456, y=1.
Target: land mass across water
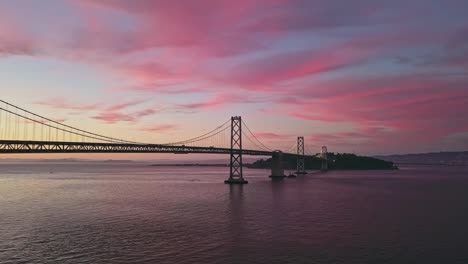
x=335, y=162
x=452, y=158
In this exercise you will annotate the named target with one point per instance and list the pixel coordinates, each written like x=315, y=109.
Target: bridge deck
x=28, y=146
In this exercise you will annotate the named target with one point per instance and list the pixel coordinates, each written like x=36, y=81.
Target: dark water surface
x=133, y=213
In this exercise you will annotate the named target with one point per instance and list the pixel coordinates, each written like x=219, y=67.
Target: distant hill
x=434, y=158
x=335, y=162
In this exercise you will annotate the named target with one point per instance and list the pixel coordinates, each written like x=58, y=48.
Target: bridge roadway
x=28, y=146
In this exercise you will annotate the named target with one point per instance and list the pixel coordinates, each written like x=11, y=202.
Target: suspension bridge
x=23, y=131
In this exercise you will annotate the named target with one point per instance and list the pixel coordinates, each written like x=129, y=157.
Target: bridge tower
x=324, y=156
x=235, y=175
x=300, y=156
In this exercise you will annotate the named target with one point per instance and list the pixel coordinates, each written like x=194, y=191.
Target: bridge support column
x=300, y=156
x=277, y=170
x=235, y=174
x=324, y=156
x=324, y=165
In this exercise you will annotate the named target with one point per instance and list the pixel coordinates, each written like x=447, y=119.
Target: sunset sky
x=363, y=76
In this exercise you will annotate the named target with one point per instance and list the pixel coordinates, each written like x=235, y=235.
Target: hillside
x=336, y=161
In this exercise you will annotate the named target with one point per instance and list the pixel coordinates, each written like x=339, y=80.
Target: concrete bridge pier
x=277, y=170
x=324, y=166
x=324, y=156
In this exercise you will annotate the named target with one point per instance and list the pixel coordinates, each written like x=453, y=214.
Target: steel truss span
x=19, y=146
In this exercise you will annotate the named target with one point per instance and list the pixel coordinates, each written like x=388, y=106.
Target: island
x=336, y=161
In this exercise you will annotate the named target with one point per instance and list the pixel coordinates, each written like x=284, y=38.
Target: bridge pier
x=324, y=156
x=324, y=165
x=277, y=170
x=236, y=174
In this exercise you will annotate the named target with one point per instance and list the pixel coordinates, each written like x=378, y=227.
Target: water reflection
x=236, y=210
x=140, y=214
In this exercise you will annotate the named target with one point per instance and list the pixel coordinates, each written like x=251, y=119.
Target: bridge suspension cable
x=212, y=133
x=312, y=152
x=253, y=139
x=44, y=122
x=291, y=149
x=17, y=123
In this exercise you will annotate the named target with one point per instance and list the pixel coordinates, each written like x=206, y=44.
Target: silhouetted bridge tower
x=300, y=156
x=22, y=131
x=236, y=173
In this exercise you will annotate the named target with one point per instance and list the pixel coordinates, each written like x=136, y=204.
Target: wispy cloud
x=123, y=105
x=112, y=117
x=272, y=136
x=163, y=128
x=62, y=103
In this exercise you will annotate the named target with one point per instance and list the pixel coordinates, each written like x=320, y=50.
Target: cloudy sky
x=364, y=76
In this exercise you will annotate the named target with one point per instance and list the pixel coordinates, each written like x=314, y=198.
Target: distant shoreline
x=249, y=166
x=190, y=165
x=432, y=164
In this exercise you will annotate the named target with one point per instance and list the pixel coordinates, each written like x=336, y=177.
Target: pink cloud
x=62, y=103
x=145, y=112
x=411, y=110
x=162, y=87
x=108, y=114
x=160, y=128
x=189, y=33
x=186, y=24
x=272, y=136
x=121, y=106
x=112, y=117
x=9, y=46
x=220, y=100
x=13, y=39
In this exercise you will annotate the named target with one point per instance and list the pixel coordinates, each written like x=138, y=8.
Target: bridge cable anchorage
x=86, y=134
